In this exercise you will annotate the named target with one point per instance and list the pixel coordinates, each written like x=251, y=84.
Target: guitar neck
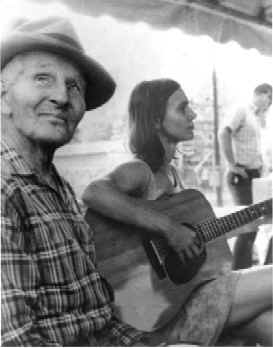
x=213, y=228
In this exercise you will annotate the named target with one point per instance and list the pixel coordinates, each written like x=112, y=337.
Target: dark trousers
x=241, y=191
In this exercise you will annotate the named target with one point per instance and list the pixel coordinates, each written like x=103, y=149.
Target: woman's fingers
x=191, y=252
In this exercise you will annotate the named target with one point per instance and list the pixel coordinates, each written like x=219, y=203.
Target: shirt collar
x=17, y=162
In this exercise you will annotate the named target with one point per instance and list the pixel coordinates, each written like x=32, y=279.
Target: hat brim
x=100, y=85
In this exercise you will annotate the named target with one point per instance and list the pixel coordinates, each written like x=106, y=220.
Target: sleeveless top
x=154, y=191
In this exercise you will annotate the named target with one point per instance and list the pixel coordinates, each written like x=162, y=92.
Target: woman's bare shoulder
x=135, y=174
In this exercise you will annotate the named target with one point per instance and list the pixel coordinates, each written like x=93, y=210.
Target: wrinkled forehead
x=40, y=60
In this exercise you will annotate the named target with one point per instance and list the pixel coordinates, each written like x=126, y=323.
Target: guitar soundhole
x=179, y=272
x=154, y=257
x=170, y=264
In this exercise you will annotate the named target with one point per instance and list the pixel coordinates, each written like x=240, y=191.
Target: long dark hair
x=147, y=107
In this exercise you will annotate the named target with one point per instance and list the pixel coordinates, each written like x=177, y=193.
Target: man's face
x=262, y=101
x=46, y=101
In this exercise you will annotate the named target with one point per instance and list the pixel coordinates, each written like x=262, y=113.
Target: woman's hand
x=182, y=239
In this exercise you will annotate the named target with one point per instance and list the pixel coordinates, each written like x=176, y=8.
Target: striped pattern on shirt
x=246, y=135
x=52, y=293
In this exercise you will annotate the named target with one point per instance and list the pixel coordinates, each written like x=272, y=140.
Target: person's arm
x=226, y=143
x=113, y=196
x=19, y=282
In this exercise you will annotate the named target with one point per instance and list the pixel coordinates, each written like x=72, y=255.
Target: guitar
x=146, y=274
x=163, y=257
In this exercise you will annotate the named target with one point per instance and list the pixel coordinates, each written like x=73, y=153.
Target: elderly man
x=52, y=292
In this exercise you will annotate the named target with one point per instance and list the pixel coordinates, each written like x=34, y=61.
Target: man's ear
x=5, y=104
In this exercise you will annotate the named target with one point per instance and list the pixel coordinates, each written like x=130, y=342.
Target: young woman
x=160, y=118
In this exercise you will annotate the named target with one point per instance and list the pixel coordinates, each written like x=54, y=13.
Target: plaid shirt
x=52, y=293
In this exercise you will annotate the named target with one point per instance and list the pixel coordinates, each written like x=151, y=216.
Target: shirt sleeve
x=124, y=335
x=237, y=120
x=19, y=281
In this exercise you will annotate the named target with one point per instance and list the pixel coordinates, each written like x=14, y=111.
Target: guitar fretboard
x=213, y=228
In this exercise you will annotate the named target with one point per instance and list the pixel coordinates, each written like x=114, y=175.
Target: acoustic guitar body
x=141, y=298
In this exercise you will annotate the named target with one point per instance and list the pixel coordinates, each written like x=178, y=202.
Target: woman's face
x=178, y=120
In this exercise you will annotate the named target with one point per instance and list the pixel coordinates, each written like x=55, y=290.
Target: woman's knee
x=255, y=283
x=259, y=329
x=252, y=296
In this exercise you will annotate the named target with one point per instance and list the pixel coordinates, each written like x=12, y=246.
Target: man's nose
x=59, y=94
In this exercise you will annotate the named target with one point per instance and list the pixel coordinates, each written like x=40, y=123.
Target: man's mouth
x=54, y=118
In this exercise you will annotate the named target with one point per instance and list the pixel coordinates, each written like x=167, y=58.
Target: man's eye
x=42, y=79
x=74, y=86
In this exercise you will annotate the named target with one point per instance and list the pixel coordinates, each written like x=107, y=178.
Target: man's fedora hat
x=58, y=36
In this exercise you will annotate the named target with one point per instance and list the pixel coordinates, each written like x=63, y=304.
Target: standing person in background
x=241, y=139
x=267, y=144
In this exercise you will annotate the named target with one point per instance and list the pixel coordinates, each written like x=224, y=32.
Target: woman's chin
x=190, y=136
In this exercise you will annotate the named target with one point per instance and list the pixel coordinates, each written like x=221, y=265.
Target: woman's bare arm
x=112, y=196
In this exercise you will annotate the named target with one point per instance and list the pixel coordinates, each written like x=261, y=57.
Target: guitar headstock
x=267, y=210
x=266, y=207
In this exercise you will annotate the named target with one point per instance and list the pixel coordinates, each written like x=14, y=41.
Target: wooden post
x=217, y=159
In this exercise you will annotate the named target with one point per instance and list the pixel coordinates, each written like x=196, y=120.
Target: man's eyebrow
x=41, y=65
x=36, y=69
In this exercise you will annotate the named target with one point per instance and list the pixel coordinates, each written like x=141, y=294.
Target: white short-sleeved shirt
x=246, y=129
x=267, y=142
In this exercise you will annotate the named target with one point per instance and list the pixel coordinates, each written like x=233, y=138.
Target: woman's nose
x=192, y=114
